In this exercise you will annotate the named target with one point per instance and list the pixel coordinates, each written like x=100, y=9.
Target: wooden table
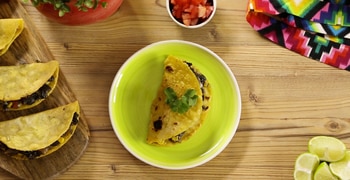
x=286, y=98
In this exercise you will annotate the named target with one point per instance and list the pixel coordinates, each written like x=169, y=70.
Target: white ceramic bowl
x=201, y=24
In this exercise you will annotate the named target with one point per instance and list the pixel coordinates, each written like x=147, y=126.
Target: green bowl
x=135, y=86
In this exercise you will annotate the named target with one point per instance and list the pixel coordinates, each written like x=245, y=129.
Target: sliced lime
x=305, y=166
x=327, y=148
x=342, y=168
x=324, y=173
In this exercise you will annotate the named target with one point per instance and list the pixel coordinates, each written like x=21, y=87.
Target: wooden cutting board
x=30, y=47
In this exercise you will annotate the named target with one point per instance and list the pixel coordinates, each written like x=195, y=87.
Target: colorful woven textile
x=318, y=29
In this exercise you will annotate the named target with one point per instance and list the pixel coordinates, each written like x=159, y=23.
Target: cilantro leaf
x=170, y=95
x=182, y=104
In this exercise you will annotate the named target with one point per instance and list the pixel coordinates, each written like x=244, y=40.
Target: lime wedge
x=342, y=168
x=324, y=173
x=305, y=166
x=327, y=148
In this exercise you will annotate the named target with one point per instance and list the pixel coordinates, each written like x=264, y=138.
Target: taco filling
x=181, y=104
x=40, y=94
x=37, y=135
x=27, y=85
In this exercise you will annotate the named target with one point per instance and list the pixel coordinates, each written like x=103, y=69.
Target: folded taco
x=40, y=134
x=10, y=29
x=181, y=105
x=25, y=86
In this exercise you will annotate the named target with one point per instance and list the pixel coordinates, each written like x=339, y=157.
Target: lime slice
x=327, y=148
x=342, y=168
x=324, y=173
x=305, y=166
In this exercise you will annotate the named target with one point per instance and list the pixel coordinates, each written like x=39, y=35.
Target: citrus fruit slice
x=305, y=166
x=342, y=168
x=327, y=148
x=324, y=173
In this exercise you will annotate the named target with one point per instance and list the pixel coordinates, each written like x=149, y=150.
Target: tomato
x=76, y=17
x=191, y=12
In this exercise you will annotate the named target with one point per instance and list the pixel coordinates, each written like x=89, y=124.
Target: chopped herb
x=62, y=7
x=182, y=104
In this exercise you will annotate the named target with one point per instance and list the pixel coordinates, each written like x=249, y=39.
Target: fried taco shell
x=10, y=29
x=25, y=86
x=40, y=134
x=167, y=127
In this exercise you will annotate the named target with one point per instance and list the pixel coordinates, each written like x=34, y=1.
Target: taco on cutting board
x=10, y=29
x=25, y=86
x=40, y=134
x=181, y=105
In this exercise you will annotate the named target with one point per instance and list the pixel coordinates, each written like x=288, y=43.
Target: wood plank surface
x=286, y=98
x=29, y=47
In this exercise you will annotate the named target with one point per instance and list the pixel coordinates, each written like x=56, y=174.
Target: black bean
x=31, y=154
x=75, y=119
x=190, y=66
x=178, y=137
x=201, y=78
x=56, y=143
x=51, y=79
x=30, y=99
x=40, y=94
x=4, y=105
x=14, y=152
x=44, y=91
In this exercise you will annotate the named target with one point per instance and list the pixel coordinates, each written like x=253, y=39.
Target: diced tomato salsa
x=191, y=12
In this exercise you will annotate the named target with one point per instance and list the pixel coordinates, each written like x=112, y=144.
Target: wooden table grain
x=286, y=98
